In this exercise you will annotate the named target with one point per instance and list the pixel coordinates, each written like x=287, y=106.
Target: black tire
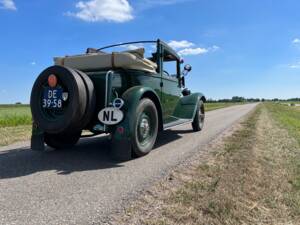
x=52, y=121
x=199, y=118
x=91, y=101
x=145, y=128
x=63, y=140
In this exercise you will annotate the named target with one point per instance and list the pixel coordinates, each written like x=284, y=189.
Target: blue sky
x=236, y=47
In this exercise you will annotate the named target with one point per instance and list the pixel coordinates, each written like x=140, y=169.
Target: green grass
x=15, y=121
x=10, y=135
x=252, y=178
x=218, y=105
x=289, y=118
x=18, y=115
x=14, y=115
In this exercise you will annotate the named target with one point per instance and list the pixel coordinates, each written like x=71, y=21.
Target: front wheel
x=63, y=140
x=198, y=121
x=145, y=128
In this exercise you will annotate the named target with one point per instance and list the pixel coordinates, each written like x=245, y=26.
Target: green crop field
x=15, y=121
x=218, y=105
x=288, y=116
x=14, y=115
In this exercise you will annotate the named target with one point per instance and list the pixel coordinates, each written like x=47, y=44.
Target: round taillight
x=121, y=130
x=52, y=81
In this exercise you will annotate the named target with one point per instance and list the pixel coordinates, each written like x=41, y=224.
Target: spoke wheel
x=145, y=128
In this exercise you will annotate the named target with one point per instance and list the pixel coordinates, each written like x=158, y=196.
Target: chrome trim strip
x=177, y=123
x=110, y=72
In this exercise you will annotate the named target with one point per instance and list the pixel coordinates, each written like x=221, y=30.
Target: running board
x=177, y=123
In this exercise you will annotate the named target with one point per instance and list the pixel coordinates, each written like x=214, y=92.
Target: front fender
x=131, y=98
x=187, y=106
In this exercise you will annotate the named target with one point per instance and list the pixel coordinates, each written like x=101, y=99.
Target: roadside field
x=252, y=177
x=15, y=121
x=218, y=105
x=14, y=115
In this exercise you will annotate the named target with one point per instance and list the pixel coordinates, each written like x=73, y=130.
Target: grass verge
x=11, y=116
x=10, y=135
x=250, y=179
x=218, y=105
x=15, y=123
x=289, y=119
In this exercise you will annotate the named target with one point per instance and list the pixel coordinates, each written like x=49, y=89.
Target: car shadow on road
x=89, y=154
x=166, y=137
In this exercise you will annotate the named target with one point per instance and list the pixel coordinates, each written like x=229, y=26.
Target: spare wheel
x=47, y=113
x=91, y=101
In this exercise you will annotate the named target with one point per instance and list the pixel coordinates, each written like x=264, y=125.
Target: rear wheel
x=145, y=128
x=198, y=121
x=63, y=140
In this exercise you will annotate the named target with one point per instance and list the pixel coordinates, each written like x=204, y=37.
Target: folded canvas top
x=96, y=61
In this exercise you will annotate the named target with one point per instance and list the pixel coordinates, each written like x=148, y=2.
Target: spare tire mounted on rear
x=79, y=99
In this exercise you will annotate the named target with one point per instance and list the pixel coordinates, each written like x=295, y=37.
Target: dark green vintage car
x=123, y=93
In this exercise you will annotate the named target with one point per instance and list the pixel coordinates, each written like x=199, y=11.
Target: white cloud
x=133, y=46
x=193, y=51
x=181, y=44
x=295, y=65
x=296, y=41
x=214, y=48
x=33, y=63
x=103, y=10
x=8, y=4
x=186, y=48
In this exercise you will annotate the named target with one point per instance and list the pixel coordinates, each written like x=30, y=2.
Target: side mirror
x=187, y=69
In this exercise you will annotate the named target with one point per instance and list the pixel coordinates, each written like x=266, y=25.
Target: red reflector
x=52, y=80
x=120, y=130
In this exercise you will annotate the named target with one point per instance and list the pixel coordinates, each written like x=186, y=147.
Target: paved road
x=82, y=185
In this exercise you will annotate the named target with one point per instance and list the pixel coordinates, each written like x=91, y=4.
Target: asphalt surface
x=83, y=185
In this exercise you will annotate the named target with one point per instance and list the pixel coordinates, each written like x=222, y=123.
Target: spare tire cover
x=73, y=108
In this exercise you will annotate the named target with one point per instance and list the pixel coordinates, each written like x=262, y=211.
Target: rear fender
x=187, y=106
x=37, y=138
x=132, y=98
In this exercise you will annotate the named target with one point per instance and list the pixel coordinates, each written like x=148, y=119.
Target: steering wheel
x=166, y=72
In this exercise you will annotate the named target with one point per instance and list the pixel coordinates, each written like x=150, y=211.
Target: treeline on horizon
x=242, y=99
x=210, y=100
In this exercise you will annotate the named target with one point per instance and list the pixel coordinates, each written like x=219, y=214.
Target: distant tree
x=210, y=100
x=18, y=103
x=237, y=99
x=293, y=99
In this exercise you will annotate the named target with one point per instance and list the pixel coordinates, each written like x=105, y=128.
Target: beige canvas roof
x=133, y=59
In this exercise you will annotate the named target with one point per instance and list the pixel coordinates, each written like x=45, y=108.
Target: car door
x=171, y=90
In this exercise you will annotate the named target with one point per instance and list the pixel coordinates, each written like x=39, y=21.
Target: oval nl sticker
x=110, y=116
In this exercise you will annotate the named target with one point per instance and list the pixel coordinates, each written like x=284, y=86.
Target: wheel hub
x=144, y=128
